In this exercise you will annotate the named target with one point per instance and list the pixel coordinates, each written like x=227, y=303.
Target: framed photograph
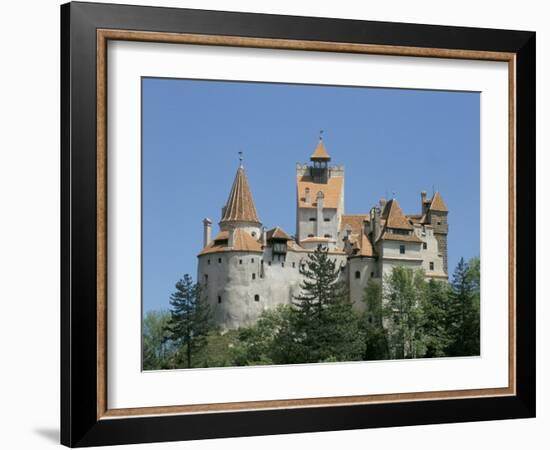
x=276, y=224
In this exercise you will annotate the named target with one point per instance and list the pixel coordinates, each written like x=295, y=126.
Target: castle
x=246, y=269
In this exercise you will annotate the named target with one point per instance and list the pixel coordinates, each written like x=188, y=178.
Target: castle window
x=312, y=219
x=220, y=260
x=219, y=298
x=327, y=219
x=431, y=266
x=283, y=264
x=372, y=274
x=438, y=222
x=402, y=249
x=240, y=261
x=253, y=234
x=205, y=278
x=293, y=265
x=252, y=260
x=208, y=262
x=425, y=245
x=357, y=275
x=256, y=298
x=310, y=235
x=269, y=263
x=253, y=276
x=328, y=236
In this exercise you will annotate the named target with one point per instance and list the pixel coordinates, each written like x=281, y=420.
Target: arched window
x=256, y=298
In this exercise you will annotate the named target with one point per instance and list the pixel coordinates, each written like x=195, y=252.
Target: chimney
x=424, y=208
x=231, y=237
x=376, y=225
x=207, y=231
x=382, y=203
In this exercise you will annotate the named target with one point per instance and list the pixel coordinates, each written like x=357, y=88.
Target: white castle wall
x=367, y=268
x=276, y=282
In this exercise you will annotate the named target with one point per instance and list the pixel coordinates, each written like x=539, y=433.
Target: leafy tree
x=463, y=317
x=434, y=313
x=269, y=341
x=403, y=290
x=376, y=342
x=190, y=321
x=323, y=323
x=156, y=351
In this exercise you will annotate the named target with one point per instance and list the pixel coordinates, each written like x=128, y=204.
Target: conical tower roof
x=240, y=204
x=394, y=216
x=438, y=204
x=320, y=153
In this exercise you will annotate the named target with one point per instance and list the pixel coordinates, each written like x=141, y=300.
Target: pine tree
x=156, y=351
x=463, y=314
x=435, y=310
x=190, y=321
x=325, y=328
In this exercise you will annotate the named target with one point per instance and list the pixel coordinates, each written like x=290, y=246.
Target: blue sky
x=389, y=140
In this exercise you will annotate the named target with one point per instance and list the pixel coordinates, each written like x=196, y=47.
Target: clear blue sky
x=389, y=140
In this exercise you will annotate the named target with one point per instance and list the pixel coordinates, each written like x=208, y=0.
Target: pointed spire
x=437, y=203
x=240, y=204
x=394, y=216
x=320, y=153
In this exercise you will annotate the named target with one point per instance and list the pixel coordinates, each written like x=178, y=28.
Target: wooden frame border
x=103, y=36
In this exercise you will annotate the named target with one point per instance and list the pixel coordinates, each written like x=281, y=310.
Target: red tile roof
x=240, y=204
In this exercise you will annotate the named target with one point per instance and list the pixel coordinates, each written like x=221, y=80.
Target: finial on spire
x=241, y=160
x=321, y=134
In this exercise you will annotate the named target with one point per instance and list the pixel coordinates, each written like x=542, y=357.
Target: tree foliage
x=156, y=351
x=189, y=323
x=402, y=298
x=463, y=316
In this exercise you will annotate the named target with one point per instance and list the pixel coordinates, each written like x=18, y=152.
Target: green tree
x=190, y=321
x=463, y=317
x=402, y=295
x=156, y=351
x=376, y=341
x=434, y=313
x=269, y=341
x=324, y=326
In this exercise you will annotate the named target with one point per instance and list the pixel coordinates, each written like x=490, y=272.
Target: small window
x=269, y=263
x=342, y=269
x=357, y=275
x=205, y=278
x=328, y=236
x=372, y=274
x=208, y=262
x=262, y=262
x=313, y=219
x=253, y=276
x=438, y=222
x=402, y=249
x=424, y=245
x=219, y=298
x=293, y=265
x=303, y=267
x=256, y=298
x=327, y=219
x=310, y=235
x=240, y=261
x=253, y=234
x=283, y=264
x=431, y=266
x=220, y=260
x=252, y=260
